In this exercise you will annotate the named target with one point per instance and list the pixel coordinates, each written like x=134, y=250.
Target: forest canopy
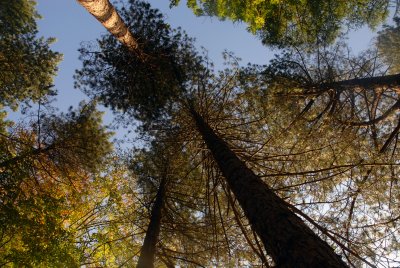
x=292, y=163
x=282, y=23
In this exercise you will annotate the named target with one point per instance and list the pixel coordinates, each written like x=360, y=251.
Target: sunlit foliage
x=282, y=23
x=40, y=172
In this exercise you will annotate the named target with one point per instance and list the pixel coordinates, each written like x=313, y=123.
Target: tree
x=40, y=170
x=161, y=174
x=102, y=84
x=387, y=42
x=338, y=121
x=148, y=250
x=166, y=53
x=177, y=230
x=353, y=91
x=44, y=161
x=281, y=23
x=105, y=220
x=284, y=235
x=27, y=63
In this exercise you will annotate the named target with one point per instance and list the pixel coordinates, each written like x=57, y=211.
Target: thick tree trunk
x=104, y=12
x=368, y=82
x=147, y=253
x=386, y=81
x=286, y=238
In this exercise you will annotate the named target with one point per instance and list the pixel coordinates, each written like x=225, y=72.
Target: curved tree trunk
x=104, y=12
x=148, y=250
x=289, y=241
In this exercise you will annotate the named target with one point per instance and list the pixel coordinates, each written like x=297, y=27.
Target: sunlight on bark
x=104, y=12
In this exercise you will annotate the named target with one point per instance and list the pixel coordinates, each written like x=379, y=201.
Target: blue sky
x=71, y=24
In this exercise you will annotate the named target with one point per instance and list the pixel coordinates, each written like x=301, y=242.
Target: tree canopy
x=246, y=106
x=156, y=74
x=282, y=23
x=289, y=164
x=27, y=64
x=40, y=168
x=46, y=158
x=388, y=41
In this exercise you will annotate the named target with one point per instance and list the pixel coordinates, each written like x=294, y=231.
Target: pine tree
x=96, y=82
x=27, y=63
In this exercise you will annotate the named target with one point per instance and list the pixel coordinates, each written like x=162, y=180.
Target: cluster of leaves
x=40, y=171
x=282, y=23
x=388, y=41
x=46, y=160
x=27, y=64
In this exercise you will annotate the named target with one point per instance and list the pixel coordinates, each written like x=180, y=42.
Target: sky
x=71, y=24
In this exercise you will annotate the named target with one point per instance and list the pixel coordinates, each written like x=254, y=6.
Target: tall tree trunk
x=104, y=12
x=368, y=82
x=148, y=250
x=289, y=241
x=386, y=81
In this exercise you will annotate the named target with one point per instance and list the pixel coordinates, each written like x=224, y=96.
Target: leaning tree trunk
x=287, y=239
x=148, y=250
x=104, y=12
x=385, y=81
x=368, y=82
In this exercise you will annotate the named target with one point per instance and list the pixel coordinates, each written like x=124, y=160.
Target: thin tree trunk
x=104, y=12
x=286, y=238
x=148, y=250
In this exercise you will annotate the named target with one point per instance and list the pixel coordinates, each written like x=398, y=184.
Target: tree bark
x=104, y=12
x=368, y=82
x=148, y=250
x=286, y=238
x=386, y=81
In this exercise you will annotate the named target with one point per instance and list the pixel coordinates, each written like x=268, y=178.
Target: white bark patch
x=97, y=8
x=104, y=12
